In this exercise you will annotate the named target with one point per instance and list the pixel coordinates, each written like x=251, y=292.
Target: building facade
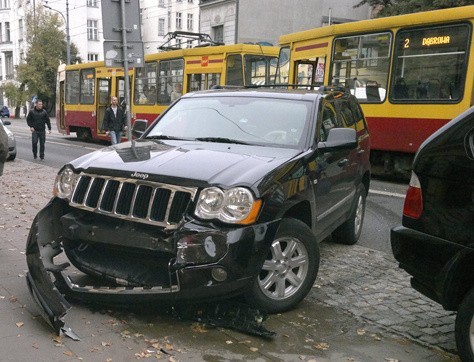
x=242, y=21
x=160, y=17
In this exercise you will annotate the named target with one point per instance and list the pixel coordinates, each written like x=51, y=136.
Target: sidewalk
x=361, y=308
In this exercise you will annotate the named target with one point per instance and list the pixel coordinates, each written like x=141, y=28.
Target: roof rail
x=202, y=39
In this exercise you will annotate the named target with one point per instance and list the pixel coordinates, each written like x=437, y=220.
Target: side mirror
x=139, y=127
x=339, y=139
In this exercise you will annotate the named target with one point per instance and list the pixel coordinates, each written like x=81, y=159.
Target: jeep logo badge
x=143, y=176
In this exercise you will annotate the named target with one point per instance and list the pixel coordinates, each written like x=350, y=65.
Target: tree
x=15, y=92
x=46, y=49
x=397, y=7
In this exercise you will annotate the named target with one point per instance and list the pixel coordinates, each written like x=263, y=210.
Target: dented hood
x=213, y=163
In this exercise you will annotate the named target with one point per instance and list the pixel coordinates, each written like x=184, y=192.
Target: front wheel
x=289, y=270
x=464, y=328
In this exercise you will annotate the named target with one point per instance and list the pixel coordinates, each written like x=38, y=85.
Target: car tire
x=349, y=232
x=11, y=157
x=464, y=328
x=289, y=270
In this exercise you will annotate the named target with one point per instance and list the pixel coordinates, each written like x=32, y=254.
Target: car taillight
x=413, y=207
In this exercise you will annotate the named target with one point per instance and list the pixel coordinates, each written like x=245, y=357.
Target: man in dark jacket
x=114, y=121
x=37, y=120
x=3, y=147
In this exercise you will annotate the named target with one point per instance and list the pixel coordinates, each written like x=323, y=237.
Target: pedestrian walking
x=3, y=147
x=37, y=120
x=114, y=121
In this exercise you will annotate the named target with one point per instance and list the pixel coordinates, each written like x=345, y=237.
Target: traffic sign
x=114, y=54
x=112, y=20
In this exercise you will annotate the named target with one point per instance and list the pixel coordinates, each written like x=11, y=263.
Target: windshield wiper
x=221, y=140
x=166, y=137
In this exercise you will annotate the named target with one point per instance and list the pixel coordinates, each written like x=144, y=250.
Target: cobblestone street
x=369, y=284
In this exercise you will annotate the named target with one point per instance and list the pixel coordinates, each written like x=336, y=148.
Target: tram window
x=202, y=81
x=310, y=71
x=430, y=64
x=361, y=60
x=283, y=68
x=87, y=84
x=170, y=79
x=72, y=87
x=259, y=70
x=104, y=91
x=234, y=73
x=145, y=84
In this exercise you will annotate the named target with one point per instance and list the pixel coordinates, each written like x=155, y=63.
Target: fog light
x=219, y=274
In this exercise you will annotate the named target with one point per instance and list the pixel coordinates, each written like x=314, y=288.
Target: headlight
x=65, y=183
x=236, y=206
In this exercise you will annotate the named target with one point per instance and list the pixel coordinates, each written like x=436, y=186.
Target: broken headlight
x=65, y=183
x=236, y=205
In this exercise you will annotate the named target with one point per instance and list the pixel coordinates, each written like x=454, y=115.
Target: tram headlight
x=235, y=206
x=65, y=183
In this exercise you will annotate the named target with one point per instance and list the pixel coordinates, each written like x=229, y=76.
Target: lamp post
x=68, y=38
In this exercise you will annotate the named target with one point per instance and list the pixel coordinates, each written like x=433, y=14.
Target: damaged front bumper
x=77, y=254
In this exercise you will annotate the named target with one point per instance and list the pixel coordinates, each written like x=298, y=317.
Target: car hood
x=204, y=162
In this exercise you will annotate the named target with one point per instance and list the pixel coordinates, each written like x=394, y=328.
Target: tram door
x=61, y=106
x=103, y=100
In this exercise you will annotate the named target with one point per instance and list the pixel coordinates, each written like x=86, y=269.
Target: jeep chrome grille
x=135, y=200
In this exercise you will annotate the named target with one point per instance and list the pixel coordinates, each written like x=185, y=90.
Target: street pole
x=66, y=22
x=125, y=66
x=68, y=38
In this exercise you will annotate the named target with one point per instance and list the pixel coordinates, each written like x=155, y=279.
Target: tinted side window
x=345, y=113
x=328, y=121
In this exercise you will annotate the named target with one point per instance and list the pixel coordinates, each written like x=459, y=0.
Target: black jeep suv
x=228, y=192
x=436, y=242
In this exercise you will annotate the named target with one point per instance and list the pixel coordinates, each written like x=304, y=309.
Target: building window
x=92, y=57
x=20, y=29
x=161, y=26
x=1, y=33
x=169, y=20
x=178, y=21
x=7, y=32
x=92, y=3
x=190, y=1
x=190, y=22
x=9, y=65
x=161, y=3
x=189, y=43
x=4, y=4
x=92, y=30
x=218, y=33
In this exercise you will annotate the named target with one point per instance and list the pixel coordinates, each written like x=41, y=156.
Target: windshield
x=232, y=119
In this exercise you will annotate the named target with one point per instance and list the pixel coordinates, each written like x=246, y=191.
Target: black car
x=228, y=192
x=4, y=112
x=436, y=242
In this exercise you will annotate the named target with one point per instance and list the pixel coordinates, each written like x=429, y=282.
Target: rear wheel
x=464, y=328
x=289, y=270
x=349, y=232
